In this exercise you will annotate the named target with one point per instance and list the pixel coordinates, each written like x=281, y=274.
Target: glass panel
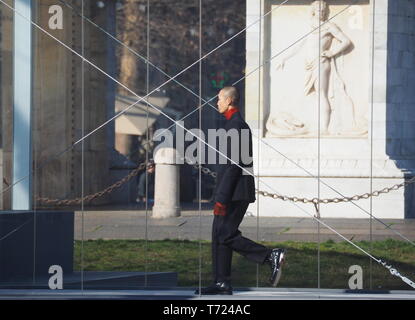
x=173, y=227
x=37, y=244
x=114, y=224
x=58, y=119
x=224, y=43
x=289, y=145
x=392, y=240
x=344, y=159
x=325, y=87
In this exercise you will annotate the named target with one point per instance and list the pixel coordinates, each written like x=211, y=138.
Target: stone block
x=394, y=112
x=397, y=24
x=396, y=94
x=408, y=147
x=411, y=78
x=409, y=129
x=397, y=77
x=394, y=59
x=397, y=42
x=393, y=147
x=408, y=59
x=411, y=41
x=407, y=111
x=393, y=7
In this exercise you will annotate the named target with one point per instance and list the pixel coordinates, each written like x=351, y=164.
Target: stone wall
x=400, y=116
x=401, y=76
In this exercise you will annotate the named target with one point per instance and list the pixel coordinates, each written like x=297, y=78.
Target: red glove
x=219, y=209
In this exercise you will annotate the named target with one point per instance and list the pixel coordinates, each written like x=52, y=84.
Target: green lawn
x=300, y=270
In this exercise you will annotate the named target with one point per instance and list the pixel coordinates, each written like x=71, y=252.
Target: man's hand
x=219, y=209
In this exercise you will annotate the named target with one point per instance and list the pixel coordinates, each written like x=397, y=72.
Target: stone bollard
x=167, y=184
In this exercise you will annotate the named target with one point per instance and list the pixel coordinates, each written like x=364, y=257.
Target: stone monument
x=318, y=106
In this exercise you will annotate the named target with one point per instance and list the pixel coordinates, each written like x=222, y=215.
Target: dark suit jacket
x=233, y=183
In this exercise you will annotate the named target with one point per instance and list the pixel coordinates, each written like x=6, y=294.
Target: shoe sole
x=215, y=294
x=278, y=277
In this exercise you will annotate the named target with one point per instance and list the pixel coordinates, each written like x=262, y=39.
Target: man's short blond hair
x=231, y=92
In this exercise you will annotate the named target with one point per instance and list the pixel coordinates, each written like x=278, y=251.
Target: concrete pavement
x=131, y=223
x=188, y=294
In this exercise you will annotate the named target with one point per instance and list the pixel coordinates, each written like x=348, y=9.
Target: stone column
x=6, y=98
x=167, y=182
x=59, y=119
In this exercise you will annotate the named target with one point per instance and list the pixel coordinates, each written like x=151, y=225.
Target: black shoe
x=217, y=288
x=276, y=259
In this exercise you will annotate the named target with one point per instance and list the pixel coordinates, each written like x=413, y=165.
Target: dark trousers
x=226, y=238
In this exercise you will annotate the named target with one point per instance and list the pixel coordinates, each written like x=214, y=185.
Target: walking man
x=235, y=189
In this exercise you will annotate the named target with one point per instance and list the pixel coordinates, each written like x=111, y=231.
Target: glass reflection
x=104, y=106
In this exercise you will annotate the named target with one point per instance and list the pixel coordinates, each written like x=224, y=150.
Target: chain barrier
x=213, y=174
x=316, y=201
x=88, y=198
x=337, y=200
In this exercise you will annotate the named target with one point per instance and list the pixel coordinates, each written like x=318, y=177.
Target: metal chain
x=204, y=170
x=336, y=200
x=315, y=201
x=88, y=198
x=68, y=202
x=213, y=174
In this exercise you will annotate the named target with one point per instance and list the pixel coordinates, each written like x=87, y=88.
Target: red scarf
x=228, y=113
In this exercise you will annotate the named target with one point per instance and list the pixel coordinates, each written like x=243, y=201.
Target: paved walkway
x=188, y=294
x=192, y=225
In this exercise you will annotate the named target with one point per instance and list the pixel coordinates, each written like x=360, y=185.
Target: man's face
x=223, y=102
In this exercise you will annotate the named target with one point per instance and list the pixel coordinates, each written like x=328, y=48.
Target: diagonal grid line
x=122, y=85
x=317, y=219
x=207, y=102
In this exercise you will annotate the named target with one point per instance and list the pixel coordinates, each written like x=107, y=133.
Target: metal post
x=22, y=106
